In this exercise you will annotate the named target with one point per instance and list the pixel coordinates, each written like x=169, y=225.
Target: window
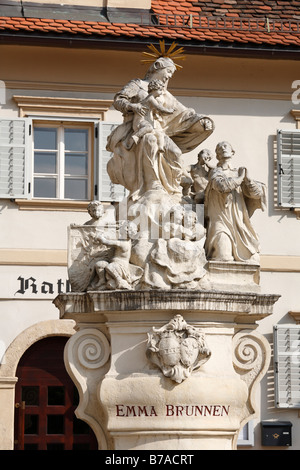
x=58, y=161
x=287, y=366
x=288, y=155
x=62, y=161
x=14, y=153
x=246, y=435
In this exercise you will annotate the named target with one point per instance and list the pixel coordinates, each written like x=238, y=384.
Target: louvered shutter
x=106, y=190
x=15, y=157
x=287, y=366
x=288, y=156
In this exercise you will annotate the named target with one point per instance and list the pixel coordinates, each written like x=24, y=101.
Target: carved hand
x=168, y=111
x=138, y=109
x=207, y=124
x=100, y=237
x=247, y=177
x=242, y=174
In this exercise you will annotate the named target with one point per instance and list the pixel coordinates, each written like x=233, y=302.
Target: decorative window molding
x=296, y=115
x=51, y=205
x=58, y=107
x=33, y=107
x=296, y=316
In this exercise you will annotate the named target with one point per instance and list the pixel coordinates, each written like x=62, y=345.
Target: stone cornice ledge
x=241, y=307
x=49, y=106
x=295, y=315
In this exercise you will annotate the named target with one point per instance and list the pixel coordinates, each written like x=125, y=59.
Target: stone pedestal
x=233, y=276
x=130, y=393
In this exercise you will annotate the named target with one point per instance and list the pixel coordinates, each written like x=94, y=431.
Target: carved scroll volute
x=251, y=358
x=86, y=357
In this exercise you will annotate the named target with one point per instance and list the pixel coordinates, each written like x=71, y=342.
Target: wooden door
x=45, y=402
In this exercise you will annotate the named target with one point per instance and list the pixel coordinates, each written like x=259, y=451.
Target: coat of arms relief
x=177, y=349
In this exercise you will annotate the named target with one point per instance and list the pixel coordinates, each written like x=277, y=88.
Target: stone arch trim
x=30, y=336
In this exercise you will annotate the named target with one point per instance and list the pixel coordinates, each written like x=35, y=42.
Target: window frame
x=36, y=204
x=18, y=185
x=286, y=365
x=101, y=187
x=60, y=125
x=285, y=169
x=246, y=435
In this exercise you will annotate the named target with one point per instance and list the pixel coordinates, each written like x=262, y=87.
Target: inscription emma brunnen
x=130, y=411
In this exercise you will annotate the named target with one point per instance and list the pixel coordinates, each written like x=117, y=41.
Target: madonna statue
x=154, y=161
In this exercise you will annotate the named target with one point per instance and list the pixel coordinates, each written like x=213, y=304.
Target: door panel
x=45, y=402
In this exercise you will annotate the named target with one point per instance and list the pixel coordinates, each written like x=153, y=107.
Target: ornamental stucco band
x=165, y=290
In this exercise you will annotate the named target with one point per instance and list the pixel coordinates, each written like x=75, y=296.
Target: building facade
x=61, y=67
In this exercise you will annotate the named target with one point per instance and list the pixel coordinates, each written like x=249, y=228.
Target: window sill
x=297, y=212
x=51, y=205
x=296, y=316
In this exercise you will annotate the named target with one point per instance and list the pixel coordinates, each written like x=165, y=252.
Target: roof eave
x=207, y=47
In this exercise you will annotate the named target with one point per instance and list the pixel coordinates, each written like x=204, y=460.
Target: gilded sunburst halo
x=172, y=53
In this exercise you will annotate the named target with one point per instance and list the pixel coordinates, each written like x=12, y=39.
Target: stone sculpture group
x=165, y=284
x=174, y=219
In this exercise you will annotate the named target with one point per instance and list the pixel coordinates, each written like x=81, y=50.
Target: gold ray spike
x=173, y=45
x=178, y=51
x=172, y=53
x=162, y=47
x=153, y=48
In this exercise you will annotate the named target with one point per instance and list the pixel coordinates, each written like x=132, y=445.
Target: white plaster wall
x=18, y=315
x=21, y=305
x=36, y=229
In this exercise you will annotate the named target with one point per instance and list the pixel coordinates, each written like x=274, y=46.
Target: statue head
x=224, y=150
x=190, y=219
x=162, y=69
x=128, y=229
x=155, y=85
x=204, y=156
x=95, y=209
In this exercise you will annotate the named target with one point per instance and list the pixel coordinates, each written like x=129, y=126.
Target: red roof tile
x=268, y=22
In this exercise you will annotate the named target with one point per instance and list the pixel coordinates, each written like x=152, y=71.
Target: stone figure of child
x=150, y=121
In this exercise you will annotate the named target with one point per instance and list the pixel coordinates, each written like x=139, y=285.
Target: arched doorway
x=45, y=402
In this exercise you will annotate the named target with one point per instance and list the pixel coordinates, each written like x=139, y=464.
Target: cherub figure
x=183, y=224
x=149, y=120
x=200, y=174
x=96, y=211
x=119, y=273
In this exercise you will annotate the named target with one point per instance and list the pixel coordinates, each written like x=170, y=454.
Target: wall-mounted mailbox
x=276, y=433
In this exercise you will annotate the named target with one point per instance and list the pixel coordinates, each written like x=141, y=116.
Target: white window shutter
x=105, y=191
x=287, y=366
x=288, y=157
x=15, y=158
